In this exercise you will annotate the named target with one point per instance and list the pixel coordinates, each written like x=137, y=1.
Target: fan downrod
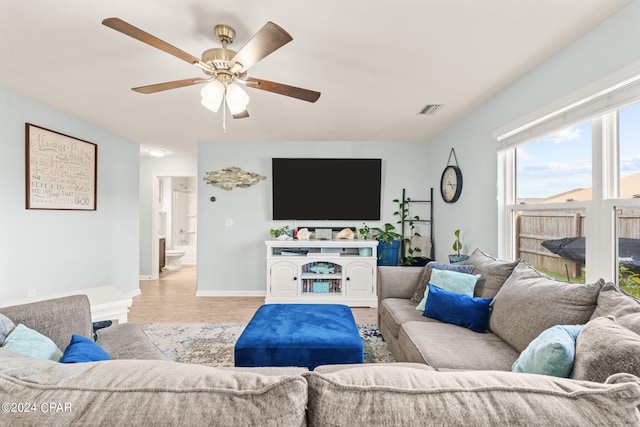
x=224, y=33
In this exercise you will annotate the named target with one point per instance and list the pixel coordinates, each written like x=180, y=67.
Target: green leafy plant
x=275, y=232
x=386, y=235
x=405, y=217
x=457, y=244
x=363, y=231
x=629, y=281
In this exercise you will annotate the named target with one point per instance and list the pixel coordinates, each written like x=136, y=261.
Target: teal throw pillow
x=551, y=353
x=82, y=349
x=458, y=309
x=453, y=281
x=31, y=343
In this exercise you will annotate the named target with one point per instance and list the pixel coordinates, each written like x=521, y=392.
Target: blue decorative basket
x=321, y=287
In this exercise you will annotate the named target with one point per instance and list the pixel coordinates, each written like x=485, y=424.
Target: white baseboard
x=145, y=278
x=231, y=293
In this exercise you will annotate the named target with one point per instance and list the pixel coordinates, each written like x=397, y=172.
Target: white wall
x=231, y=260
x=609, y=47
x=150, y=169
x=57, y=251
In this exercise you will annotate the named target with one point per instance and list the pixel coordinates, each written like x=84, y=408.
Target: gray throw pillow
x=6, y=326
x=529, y=303
x=425, y=277
x=614, y=302
x=604, y=347
x=494, y=273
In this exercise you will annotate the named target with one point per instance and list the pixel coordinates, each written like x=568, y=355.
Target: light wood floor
x=172, y=299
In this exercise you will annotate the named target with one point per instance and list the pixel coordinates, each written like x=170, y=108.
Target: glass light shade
x=212, y=95
x=237, y=99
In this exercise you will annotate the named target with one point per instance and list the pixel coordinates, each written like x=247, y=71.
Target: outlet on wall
x=31, y=293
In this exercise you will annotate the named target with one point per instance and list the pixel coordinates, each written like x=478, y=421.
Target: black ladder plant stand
x=404, y=221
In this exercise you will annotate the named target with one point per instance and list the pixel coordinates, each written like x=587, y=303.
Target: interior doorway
x=175, y=222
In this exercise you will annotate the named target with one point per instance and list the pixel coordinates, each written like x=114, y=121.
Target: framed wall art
x=61, y=171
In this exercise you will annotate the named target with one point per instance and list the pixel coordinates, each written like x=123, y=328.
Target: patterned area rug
x=212, y=344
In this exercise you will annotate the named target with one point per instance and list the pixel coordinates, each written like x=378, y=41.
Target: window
x=628, y=238
x=629, y=158
x=569, y=187
x=555, y=168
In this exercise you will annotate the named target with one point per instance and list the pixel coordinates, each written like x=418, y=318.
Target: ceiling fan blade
x=282, y=89
x=135, y=32
x=169, y=85
x=241, y=115
x=270, y=38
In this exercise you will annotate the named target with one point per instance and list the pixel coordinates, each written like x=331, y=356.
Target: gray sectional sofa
x=130, y=391
x=525, y=304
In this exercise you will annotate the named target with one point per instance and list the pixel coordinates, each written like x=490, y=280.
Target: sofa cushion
x=31, y=343
x=404, y=396
x=128, y=341
x=458, y=309
x=613, y=302
x=425, y=277
x=6, y=326
x=454, y=281
x=529, y=303
x=396, y=311
x=82, y=349
x=150, y=392
x=551, y=353
x=493, y=272
x=604, y=347
x=445, y=346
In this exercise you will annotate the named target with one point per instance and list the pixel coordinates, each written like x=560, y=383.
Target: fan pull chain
x=224, y=111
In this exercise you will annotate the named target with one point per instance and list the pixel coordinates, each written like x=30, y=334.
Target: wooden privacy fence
x=534, y=227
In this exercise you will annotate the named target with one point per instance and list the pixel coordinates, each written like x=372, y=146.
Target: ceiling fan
x=224, y=68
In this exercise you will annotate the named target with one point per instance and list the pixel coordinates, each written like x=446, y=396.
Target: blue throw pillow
x=451, y=281
x=83, y=349
x=551, y=353
x=458, y=309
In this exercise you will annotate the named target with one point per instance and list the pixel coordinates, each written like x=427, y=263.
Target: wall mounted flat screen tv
x=326, y=189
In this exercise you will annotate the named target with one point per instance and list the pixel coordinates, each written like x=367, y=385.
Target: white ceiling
x=376, y=62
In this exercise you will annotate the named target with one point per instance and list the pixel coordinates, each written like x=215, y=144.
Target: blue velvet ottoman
x=300, y=335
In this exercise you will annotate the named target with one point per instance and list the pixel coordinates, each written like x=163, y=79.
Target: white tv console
x=322, y=272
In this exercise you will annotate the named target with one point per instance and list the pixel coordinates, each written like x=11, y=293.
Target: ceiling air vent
x=430, y=109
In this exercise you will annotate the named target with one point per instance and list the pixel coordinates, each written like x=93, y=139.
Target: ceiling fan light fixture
x=237, y=99
x=212, y=95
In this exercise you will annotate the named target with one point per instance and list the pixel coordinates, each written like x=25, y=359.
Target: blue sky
x=562, y=161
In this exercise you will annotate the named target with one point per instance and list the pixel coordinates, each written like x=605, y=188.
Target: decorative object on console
x=451, y=180
x=60, y=162
x=345, y=233
x=323, y=233
x=303, y=234
x=363, y=232
x=277, y=233
x=232, y=177
x=457, y=246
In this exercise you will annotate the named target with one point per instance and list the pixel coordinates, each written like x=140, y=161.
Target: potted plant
x=363, y=232
x=388, y=244
x=457, y=246
x=280, y=233
x=407, y=258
